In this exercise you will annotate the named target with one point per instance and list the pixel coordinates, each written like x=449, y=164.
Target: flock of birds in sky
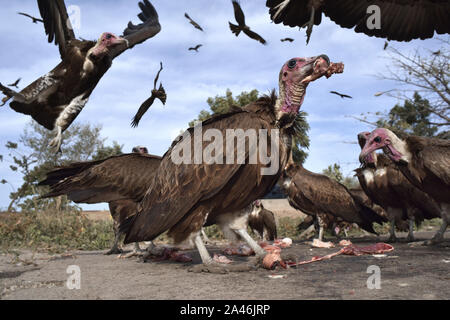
x=149, y=195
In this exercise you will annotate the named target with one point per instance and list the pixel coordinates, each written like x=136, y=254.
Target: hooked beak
x=315, y=68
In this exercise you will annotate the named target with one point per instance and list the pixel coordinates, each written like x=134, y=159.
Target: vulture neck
x=401, y=147
x=288, y=103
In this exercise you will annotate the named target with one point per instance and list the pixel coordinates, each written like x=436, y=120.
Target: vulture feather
x=195, y=24
x=314, y=194
x=401, y=20
x=241, y=26
x=55, y=99
x=425, y=162
x=185, y=194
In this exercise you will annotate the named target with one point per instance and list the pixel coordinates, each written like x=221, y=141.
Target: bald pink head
x=380, y=138
x=106, y=41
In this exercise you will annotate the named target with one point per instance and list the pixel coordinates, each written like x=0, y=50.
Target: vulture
x=386, y=186
x=341, y=94
x=262, y=221
x=425, y=162
x=159, y=93
x=287, y=39
x=240, y=18
x=321, y=222
x=55, y=99
x=187, y=191
x=195, y=48
x=119, y=180
x=15, y=84
x=315, y=194
x=195, y=24
x=403, y=20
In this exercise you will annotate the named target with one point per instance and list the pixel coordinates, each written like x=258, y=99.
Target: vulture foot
x=392, y=239
x=438, y=238
x=56, y=142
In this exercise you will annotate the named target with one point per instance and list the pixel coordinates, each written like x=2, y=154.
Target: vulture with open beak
x=399, y=20
x=425, y=162
x=189, y=190
x=386, y=186
x=55, y=99
x=314, y=194
x=122, y=181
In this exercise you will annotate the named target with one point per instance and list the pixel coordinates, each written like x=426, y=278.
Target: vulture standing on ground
x=187, y=192
x=425, y=162
x=385, y=185
x=399, y=20
x=56, y=99
x=321, y=222
x=262, y=221
x=314, y=194
x=122, y=181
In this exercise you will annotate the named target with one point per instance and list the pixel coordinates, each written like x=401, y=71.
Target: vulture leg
x=115, y=248
x=56, y=142
x=321, y=227
x=205, y=237
x=306, y=233
x=439, y=236
x=137, y=248
x=410, y=236
x=252, y=243
x=309, y=25
x=392, y=237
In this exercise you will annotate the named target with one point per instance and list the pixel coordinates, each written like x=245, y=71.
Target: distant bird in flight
x=287, y=39
x=195, y=24
x=195, y=48
x=386, y=43
x=436, y=53
x=341, y=95
x=156, y=93
x=240, y=18
x=34, y=19
x=15, y=83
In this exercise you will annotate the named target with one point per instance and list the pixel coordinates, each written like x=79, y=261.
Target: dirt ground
x=411, y=271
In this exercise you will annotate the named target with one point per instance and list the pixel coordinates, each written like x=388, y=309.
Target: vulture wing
x=238, y=13
x=136, y=34
x=254, y=36
x=126, y=176
x=57, y=23
x=178, y=189
x=401, y=20
x=195, y=24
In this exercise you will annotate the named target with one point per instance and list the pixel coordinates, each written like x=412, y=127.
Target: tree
x=33, y=159
x=334, y=172
x=223, y=104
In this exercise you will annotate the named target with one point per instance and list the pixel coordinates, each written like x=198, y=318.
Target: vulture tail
x=306, y=223
x=369, y=216
x=269, y=224
x=235, y=29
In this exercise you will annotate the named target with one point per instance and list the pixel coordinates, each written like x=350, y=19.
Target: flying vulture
x=33, y=19
x=55, y=99
x=195, y=24
x=425, y=162
x=119, y=180
x=341, y=95
x=385, y=185
x=159, y=93
x=240, y=19
x=399, y=20
x=287, y=39
x=185, y=194
x=195, y=48
x=314, y=194
x=15, y=84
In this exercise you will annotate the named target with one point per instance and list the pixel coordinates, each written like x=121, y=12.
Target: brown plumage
x=419, y=19
x=159, y=93
x=425, y=162
x=262, y=221
x=240, y=18
x=386, y=186
x=195, y=24
x=316, y=193
x=56, y=99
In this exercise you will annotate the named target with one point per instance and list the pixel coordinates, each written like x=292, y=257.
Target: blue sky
x=224, y=61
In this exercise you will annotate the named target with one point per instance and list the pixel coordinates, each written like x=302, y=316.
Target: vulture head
x=106, y=41
x=295, y=75
x=140, y=149
x=371, y=157
x=386, y=140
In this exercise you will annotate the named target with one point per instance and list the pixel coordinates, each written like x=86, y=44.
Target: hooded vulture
x=55, y=99
x=386, y=186
x=262, y=221
x=425, y=162
x=185, y=194
x=401, y=20
x=315, y=194
x=119, y=180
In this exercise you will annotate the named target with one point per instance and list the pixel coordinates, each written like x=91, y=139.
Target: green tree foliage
x=334, y=172
x=32, y=158
x=223, y=104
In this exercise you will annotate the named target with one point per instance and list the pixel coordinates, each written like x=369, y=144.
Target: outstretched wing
x=136, y=34
x=57, y=24
x=254, y=36
x=238, y=13
x=126, y=176
x=195, y=24
x=179, y=187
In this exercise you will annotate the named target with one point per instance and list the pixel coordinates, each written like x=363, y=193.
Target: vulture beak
x=315, y=68
x=366, y=154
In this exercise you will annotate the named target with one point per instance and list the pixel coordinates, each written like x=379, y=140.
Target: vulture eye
x=292, y=63
x=377, y=139
x=108, y=36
